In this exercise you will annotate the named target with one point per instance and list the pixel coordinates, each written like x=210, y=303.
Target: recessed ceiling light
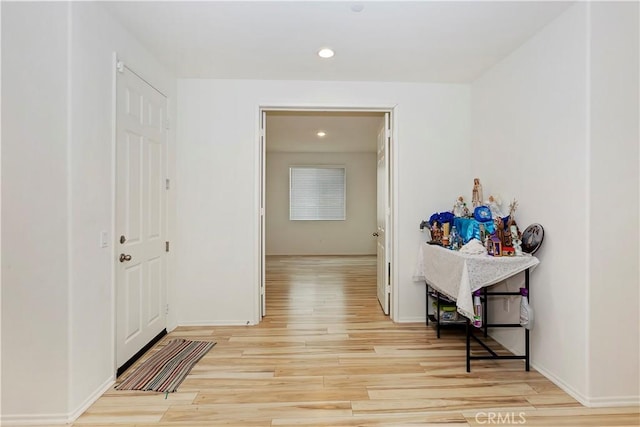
x=357, y=7
x=321, y=134
x=325, y=53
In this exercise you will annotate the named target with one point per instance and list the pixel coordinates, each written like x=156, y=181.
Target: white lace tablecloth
x=458, y=275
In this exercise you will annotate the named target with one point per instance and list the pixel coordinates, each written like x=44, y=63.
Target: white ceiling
x=419, y=41
x=296, y=131
x=415, y=41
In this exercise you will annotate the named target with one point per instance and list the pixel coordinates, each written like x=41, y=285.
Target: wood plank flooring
x=325, y=355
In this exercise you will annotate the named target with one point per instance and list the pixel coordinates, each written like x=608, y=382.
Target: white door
x=140, y=214
x=263, y=166
x=383, y=216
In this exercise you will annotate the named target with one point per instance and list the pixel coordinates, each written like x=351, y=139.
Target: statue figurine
x=483, y=233
x=512, y=211
x=500, y=233
x=494, y=205
x=507, y=242
x=515, y=239
x=460, y=208
x=476, y=198
x=436, y=233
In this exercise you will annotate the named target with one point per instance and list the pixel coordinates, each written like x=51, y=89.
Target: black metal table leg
x=437, y=314
x=485, y=310
x=492, y=354
x=526, y=331
x=426, y=299
x=468, y=346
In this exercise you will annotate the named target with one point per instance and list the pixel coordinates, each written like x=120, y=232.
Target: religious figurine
x=512, y=211
x=499, y=233
x=483, y=233
x=436, y=233
x=494, y=205
x=476, y=198
x=460, y=208
x=515, y=239
x=506, y=237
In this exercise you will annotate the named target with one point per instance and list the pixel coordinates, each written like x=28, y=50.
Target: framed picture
x=532, y=238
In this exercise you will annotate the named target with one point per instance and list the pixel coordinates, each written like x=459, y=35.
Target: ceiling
x=414, y=41
x=418, y=41
x=296, y=131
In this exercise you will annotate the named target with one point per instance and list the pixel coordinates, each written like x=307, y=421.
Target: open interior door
x=141, y=288
x=383, y=216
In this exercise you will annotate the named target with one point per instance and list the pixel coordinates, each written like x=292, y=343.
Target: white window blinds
x=316, y=193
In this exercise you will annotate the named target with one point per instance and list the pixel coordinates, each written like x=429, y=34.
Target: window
x=316, y=193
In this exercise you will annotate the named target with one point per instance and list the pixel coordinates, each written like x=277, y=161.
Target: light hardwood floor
x=325, y=355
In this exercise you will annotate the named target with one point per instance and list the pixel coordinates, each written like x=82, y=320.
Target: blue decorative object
x=469, y=228
x=446, y=217
x=441, y=218
x=482, y=214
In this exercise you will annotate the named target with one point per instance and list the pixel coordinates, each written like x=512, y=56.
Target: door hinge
x=120, y=66
x=166, y=309
x=166, y=246
x=166, y=123
x=167, y=183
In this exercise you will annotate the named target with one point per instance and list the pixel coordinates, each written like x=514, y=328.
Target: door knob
x=375, y=234
x=124, y=257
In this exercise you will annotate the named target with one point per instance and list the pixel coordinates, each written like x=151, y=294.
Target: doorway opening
x=353, y=145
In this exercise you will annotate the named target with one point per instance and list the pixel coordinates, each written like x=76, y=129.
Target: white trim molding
x=93, y=397
x=57, y=419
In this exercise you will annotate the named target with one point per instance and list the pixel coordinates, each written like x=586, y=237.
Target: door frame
x=260, y=179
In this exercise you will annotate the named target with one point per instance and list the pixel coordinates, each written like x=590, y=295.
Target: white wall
x=614, y=334
x=353, y=236
x=529, y=142
x=57, y=182
x=34, y=209
x=532, y=140
x=217, y=181
x=95, y=36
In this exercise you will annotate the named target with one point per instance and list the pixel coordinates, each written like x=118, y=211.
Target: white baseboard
x=171, y=326
x=415, y=319
x=34, y=420
x=243, y=322
x=55, y=419
x=91, y=399
x=606, y=402
x=563, y=385
x=592, y=402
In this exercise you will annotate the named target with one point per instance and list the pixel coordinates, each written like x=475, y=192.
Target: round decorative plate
x=532, y=238
x=482, y=214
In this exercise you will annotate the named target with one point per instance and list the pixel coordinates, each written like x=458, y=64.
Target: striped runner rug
x=167, y=368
